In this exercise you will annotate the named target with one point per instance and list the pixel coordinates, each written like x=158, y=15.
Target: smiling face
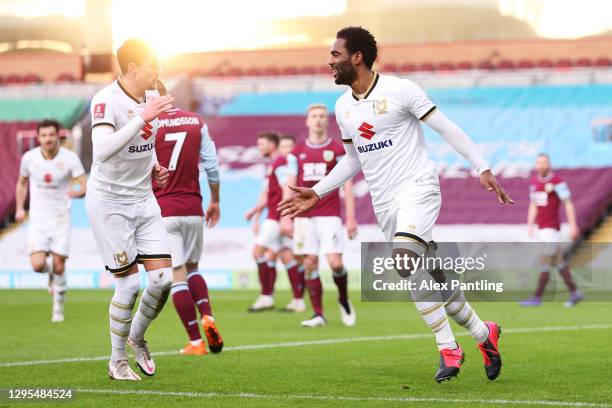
x=341, y=63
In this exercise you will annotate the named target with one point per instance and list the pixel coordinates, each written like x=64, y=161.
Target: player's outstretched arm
x=306, y=198
x=463, y=145
x=107, y=141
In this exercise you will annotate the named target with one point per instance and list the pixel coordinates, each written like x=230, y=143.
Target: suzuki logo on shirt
x=147, y=131
x=375, y=146
x=366, y=130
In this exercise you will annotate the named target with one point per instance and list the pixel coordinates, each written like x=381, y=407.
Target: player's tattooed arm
x=21, y=192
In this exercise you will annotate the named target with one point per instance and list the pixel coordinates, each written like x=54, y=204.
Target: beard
x=345, y=73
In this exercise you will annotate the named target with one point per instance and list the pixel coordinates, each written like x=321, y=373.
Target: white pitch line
x=344, y=398
x=319, y=343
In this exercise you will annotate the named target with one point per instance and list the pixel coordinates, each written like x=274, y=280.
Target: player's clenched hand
x=286, y=227
x=161, y=175
x=304, y=200
x=20, y=215
x=490, y=183
x=156, y=106
x=213, y=213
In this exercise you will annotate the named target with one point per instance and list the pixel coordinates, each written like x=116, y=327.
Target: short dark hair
x=272, y=136
x=288, y=137
x=133, y=50
x=358, y=39
x=47, y=123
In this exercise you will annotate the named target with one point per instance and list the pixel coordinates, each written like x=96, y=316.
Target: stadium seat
x=306, y=70
x=324, y=70
x=31, y=79
x=291, y=70
x=544, y=63
x=407, y=68
x=603, y=62
x=584, y=62
x=253, y=71
x=564, y=63
x=427, y=67
x=485, y=65
x=271, y=71
x=13, y=79
x=525, y=64
x=234, y=72
x=465, y=65
x=66, y=77
x=446, y=66
x=390, y=68
x=505, y=64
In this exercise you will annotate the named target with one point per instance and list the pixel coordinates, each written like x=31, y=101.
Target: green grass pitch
x=546, y=357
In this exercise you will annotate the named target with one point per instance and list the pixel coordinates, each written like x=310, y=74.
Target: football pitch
x=552, y=356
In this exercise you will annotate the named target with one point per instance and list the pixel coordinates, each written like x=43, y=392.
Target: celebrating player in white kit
x=379, y=117
x=51, y=171
x=124, y=215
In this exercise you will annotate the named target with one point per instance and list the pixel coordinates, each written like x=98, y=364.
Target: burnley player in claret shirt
x=183, y=143
x=319, y=230
x=547, y=191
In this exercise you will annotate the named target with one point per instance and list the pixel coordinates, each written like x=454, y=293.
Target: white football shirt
x=126, y=176
x=50, y=181
x=385, y=129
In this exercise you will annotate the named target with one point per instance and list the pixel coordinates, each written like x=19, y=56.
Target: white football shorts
x=549, y=239
x=410, y=220
x=185, y=238
x=269, y=236
x=50, y=234
x=315, y=235
x=127, y=233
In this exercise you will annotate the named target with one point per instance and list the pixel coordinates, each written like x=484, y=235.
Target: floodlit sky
x=562, y=18
x=174, y=26
x=186, y=25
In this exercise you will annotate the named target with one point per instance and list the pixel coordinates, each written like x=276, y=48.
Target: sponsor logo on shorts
x=99, y=111
x=375, y=146
x=121, y=259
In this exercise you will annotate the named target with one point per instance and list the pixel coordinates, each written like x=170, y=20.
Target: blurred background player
x=403, y=183
x=182, y=144
x=547, y=191
x=320, y=229
x=270, y=242
x=51, y=172
x=125, y=218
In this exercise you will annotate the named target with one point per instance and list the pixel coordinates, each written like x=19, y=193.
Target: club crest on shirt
x=347, y=115
x=328, y=155
x=130, y=114
x=60, y=166
x=302, y=156
x=380, y=106
x=549, y=187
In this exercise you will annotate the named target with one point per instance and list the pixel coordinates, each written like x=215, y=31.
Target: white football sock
x=464, y=315
x=120, y=312
x=152, y=301
x=430, y=305
x=59, y=291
